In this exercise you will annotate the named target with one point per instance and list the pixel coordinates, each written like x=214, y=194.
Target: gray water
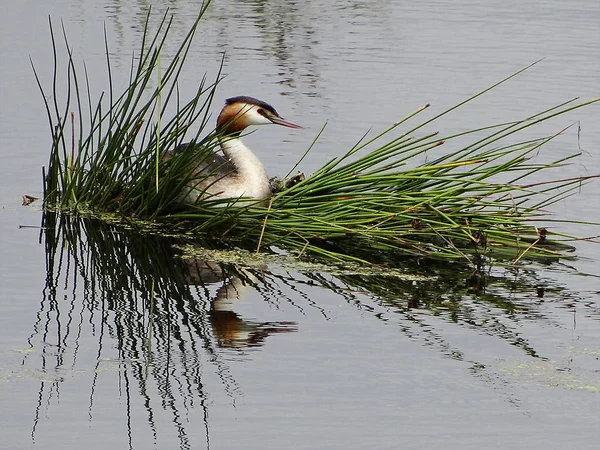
x=108, y=340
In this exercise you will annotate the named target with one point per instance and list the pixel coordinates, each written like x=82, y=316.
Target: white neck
x=251, y=175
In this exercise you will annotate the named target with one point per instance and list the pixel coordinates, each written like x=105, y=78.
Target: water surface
x=109, y=338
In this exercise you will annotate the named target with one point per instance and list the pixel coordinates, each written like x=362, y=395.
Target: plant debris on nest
x=246, y=259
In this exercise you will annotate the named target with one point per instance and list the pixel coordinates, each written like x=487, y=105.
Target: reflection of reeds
x=492, y=302
x=374, y=203
x=164, y=313
x=167, y=322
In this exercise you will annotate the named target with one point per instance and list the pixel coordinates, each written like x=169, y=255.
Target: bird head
x=241, y=112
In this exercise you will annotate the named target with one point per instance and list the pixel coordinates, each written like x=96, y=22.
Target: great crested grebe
x=240, y=173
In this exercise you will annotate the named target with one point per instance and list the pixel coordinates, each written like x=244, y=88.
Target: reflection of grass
x=134, y=305
x=374, y=203
x=157, y=275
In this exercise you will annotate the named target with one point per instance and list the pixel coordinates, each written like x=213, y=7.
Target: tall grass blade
x=376, y=203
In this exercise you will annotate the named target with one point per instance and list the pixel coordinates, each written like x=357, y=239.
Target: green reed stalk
x=374, y=203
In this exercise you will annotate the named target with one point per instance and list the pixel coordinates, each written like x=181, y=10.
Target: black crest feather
x=251, y=101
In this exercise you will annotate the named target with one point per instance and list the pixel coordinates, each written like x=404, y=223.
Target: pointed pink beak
x=283, y=122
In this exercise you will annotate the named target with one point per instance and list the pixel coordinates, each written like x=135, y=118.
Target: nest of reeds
x=375, y=203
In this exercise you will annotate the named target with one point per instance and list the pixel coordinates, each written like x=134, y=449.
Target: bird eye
x=260, y=111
